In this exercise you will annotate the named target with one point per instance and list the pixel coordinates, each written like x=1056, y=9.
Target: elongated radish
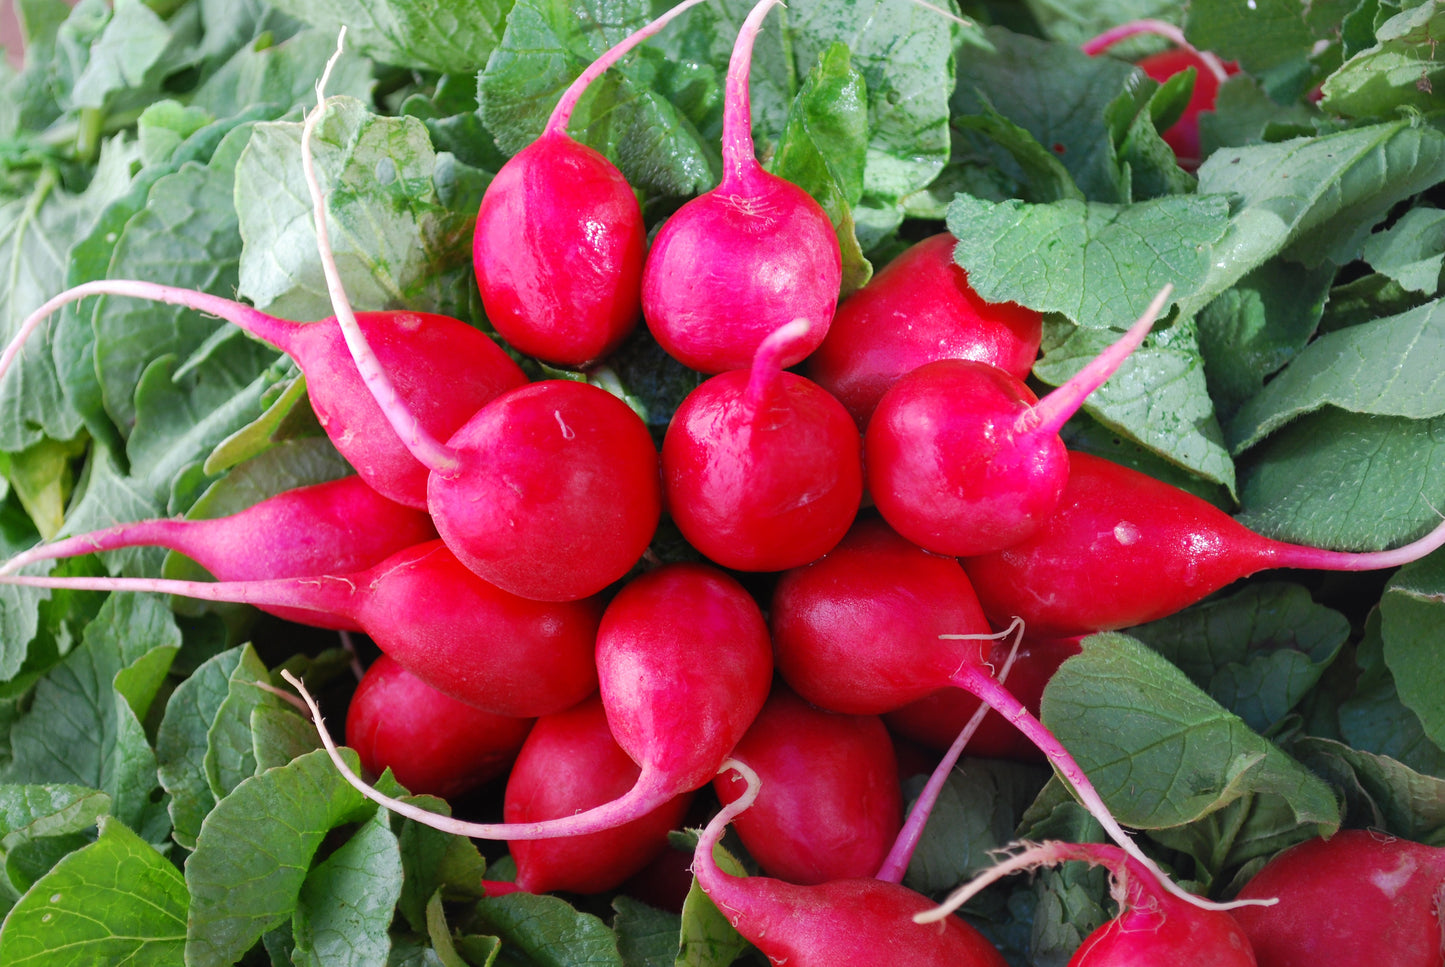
x=559, y=241
x=830, y=804
x=963, y=459
x=1124, y=548
x=842, y=923
x=763, y=471
x=329, y=528
x=918, y=308
x=454, y=631
x=734, y=264
x=433, y=743
x=683, y=665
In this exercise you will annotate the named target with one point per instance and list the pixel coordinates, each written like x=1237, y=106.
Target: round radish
x=734, y=264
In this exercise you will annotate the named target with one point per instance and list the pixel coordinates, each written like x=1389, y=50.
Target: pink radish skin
x=1153, y=928
x=734, y=264
x=843, y=923
x=830, y=804
x=918, y=308
x=327, y=528
x=446, y=369
x=963, y=459
x=1356, y=898
x=560, y=241
x=433, y=743
x=684, y=666
x=1124, y=549
x=763, y=471
x=571, y=763
x=462, y=636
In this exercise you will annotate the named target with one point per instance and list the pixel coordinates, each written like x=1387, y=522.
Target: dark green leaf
x=443, y=35
x=1412, y=612
x=1412, y=250
x=348, y=901
x=49, y=810
x=548, y=932
x=1399, y=71
x=646, y=937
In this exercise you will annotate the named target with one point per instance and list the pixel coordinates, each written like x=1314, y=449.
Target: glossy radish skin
x=734, y=264
x=328, y=528
x=462, y=636
x=1124, y=548
x=434, y=744
x=830, y=804
x=918, y=308
x=843, y=923
x=935, y=720
x=558, y=494
x=559, y=240
x=570, y=763
x=1357, y=898
x=764, y=470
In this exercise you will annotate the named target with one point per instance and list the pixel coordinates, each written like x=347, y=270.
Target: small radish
x=570, y=763
x=879, y=622
x=830, y=804
x=1153, y=928
x=1124, y=548
x=684, y=666
x=963, y=459
x=917, y=309
x=328, y=528
x=763, y=471
x=842, y=923
x=434, y=744
x=446, y=369
x=734, y=264
x=1356, y=898
x=559, y=240
x=462, y=636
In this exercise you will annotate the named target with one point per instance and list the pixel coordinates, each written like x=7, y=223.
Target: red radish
x=454, y=631
x=434, y=744
x=1124, y=548
x=684, y=666
x=559, y=240
x=763, y=471
x=917, y=309
x=879, y=622
x=446, y=369
x=1356, y=898
x=936, y=720
x=328, y=528
x=830, y=804
x=1153, y=928
x=842, y=923
x=963, y=459
x=734, y=264
x=570, y=763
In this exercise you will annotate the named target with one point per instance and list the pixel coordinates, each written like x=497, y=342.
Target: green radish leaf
x=279, y=735
x=1264, y=35
x=135, y=50
x=254, y=851
x=348, y=901
x=1411, y=251
x=1398, y=72
x=29, y=811
x=1388, y=367
x=1374, y=719
x=646, y=936
x=230, y=757
x=114, y=901
x=442, y=35
x=708, y=938
x=1411, y=612
x=1380, y=792
x=284, y=76
x=1160, y=751
x=1075, y=21
x=1244, y=114
x=548, y=931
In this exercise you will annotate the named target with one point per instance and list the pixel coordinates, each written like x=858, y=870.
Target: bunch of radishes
x=494, y=543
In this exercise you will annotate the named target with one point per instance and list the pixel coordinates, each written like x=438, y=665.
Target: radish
x=570, y=763
x=433, y=743
x=684, y=666
x=559, y=239
x=1153, y=928
x=734, y=264
x=764, y=471
x=830, y=804
x=446, y=369
x=917, y=309
x=879, y=622
x=1124, y=548
x=963, y=459
x=1356, y=898
x=842, y=923
x=328, y=528
x=462, y=636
